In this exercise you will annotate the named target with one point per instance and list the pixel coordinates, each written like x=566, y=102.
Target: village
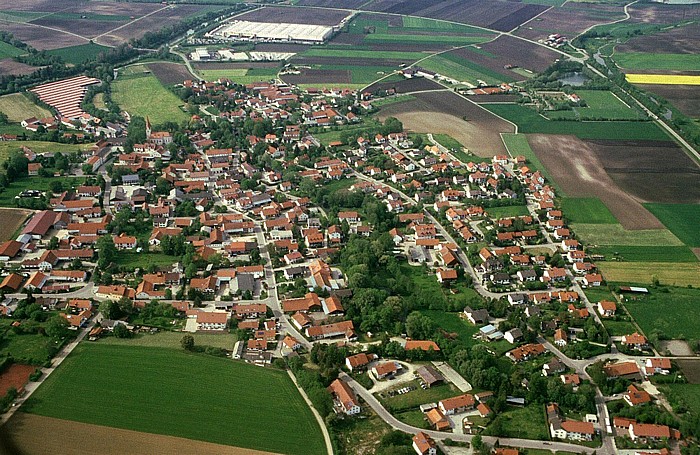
x=251, y=240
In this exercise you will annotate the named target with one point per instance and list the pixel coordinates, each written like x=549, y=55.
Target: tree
x=120, y=331
x=57, y=327
x=106, y=251
x=419, y=326
x=187, y=343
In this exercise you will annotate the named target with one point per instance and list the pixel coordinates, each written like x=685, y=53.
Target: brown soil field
x=36, y=5
x=114, y=8
x=571, y=19
x=691, y=369
x=10, y=67
x=682, y=40
x=26, y=434
x=325, y=77
x=234, y=65
x=12, y=219
x=406, y=85
x=86, y=28
x=349, y=4
x=41, y=38
x=518, y=52
x=445, y=112
x=650, y=171
x=295, y=16
x=577, y=168
x=280, y=47
x=16, y=375
x=351, y=61
x=170, y=73
x=486, y=99
x=518, y=17
x=662, y=14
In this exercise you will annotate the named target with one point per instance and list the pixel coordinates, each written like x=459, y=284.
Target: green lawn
x=675, y=313
x=80, y=53
x=132, y=259
x=529, y=121
x=415, y=398
x=29, y=348
x=18, y=106
x=414, y=418
x=168, y=391
x=615, y=234
x=632, y=253
x=601, y=104
x=164, y=339
x=39, y=147
x=589, y=210
x=391, y=100
x=619, y=328
x=656, y=61
x=359, y=53
x=528, y=422
x=508, y=211
x=448, y=141
x=453, y=323
x=145, y=96
x=681, y=219
x=517, y=144
x=7, y=196
x=9, y=51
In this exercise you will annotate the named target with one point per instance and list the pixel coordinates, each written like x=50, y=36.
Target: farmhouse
x=458, y=404
x=344, y=397
x=386, y=369
x=424, y=444
x=208, y=321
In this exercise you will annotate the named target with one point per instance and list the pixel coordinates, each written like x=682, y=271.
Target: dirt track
x=580, y=173
x=445, y=112
x=27, y=434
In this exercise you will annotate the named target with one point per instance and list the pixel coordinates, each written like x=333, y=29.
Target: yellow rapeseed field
x=666, y=79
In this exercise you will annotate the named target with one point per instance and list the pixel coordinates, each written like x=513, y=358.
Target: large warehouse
x=262, y=31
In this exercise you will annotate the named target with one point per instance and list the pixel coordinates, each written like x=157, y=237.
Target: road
x=385, y=415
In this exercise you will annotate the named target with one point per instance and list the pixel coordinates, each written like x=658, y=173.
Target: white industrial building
x=263, y=31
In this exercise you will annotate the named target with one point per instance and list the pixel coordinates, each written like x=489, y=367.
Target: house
x=386, y=369
x=344, y=397
x=438, y=420
x=457, y=405
x=12, y=282
x=634, y=397
x=359, y=361
x=211, y=320
x=525, y=352
x=446, y=275
x=553, y=367
x=484, y=410
x=626, y=370
x=606, y=308
x=517, y=298
x=125, y=242
x=635, y=341
x=429, y=375
x=291, y=342
x=476, y=316
x=593, y=279
x=560, y=338
x=651, y=432
x=578, y=431
x=424, y=444
x=423, y=345
x=332, y=306
x=513, y=335
x=653, y=366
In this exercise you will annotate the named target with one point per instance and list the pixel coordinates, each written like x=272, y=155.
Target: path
x=321, y=423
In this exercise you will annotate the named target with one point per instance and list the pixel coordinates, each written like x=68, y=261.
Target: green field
x=461, y=69
x=453, y=323
x=132, y=260
x=688, y=394
x=32, y=348
x=601, y=104
x=80, y=53
x=633, y=253
x=653, y=61
x=507, y=211
x=675, y=313
x=517, y=145
x=615, y=234
x=145, y=96
x=681, y=219
x=529, y=121
x=619, y=328
x=589, y=210
x=171, y=340
x=414, y=22
x=448, y=141
x=167, y=391
x=18, y=107
x=9, y=51
x=391, y=100
x=528, y=422
x=7, y=196
x=359, y=53
x=418, y=39
x=670, y=273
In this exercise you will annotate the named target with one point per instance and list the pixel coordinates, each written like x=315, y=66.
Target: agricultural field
x=143, y=95
x=342, y=74
x=12, y=220
x=26, y=431
x=685, y=98
x=40, y=147
x=169, y=73
x=615, y=234
x=295, y=15
x=690, y=369
x=662, y=79
x=18, y=107
x=600, y=104
x=586, y=210
x=164, y=339
x=570, y=19
x=681, y=219
x=80, y=53
x=564, y=154
x=668, y=62
x=9, y=51
x=668, y=273
x=240, y=394
x=448, y=113
x=673, y=313
x=417, y=397
x=405, y=85
x=362, y=435
x=454, y=324
x=529, y=121
x=448, y=141
x=517, y=144
x=634, y=253
x=10, y=67
x=456, y=67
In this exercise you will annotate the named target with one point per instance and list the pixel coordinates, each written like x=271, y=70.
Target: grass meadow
x=80, y=53
x=145, y=96
x=168, y=391
x=681, y=219
x=18, y=107
x=655, y=61
x=586, y=210
x=672, y=311
x=669, y=273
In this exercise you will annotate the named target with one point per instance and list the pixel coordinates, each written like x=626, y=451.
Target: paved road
x=441, y=435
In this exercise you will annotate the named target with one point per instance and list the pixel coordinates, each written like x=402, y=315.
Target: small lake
x=573, y=79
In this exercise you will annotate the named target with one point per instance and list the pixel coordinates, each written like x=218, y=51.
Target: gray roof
x=245, y=281
x=429, y=374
